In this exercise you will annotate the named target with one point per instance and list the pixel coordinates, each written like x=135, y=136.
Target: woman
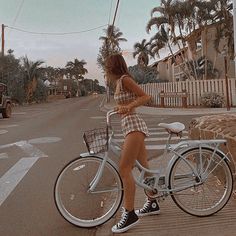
x=128, y=96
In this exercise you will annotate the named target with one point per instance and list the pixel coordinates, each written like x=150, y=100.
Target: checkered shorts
x=133, y=122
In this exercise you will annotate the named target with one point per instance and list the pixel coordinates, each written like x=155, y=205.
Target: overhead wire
x=54, y=33
x=109, y=18
x=18, y=12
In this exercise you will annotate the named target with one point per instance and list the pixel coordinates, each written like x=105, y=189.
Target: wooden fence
x=195, y=90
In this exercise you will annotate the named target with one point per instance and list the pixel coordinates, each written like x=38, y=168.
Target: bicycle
x=198, y=178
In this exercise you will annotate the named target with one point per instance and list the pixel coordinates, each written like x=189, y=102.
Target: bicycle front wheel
x=80, y=206
x=202, y=183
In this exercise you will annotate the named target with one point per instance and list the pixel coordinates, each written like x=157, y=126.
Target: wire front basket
x=96, y=140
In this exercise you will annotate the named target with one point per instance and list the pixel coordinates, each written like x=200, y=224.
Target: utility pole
x=3, y=27
x=113, y=23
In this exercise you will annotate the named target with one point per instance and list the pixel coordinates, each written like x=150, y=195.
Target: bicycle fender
x=182, y=151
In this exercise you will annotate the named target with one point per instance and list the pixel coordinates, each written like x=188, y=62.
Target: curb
x=171, y=111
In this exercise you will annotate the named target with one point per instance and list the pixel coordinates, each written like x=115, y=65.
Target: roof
x=169, y=56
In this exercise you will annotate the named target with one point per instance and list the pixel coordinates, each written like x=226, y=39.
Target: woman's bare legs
x=142, y=158
x=133, y=144
x=150, y=206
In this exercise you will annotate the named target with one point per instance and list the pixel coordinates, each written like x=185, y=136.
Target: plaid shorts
x=133, y=122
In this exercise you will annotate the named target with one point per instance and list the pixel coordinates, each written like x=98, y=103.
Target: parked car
x=5, y=102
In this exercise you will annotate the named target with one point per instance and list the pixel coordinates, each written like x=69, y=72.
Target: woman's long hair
x=115, y=65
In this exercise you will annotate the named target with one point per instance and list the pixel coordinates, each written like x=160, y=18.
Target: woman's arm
x=142, y=98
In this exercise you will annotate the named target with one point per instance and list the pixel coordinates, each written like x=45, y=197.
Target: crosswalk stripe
x=3, y=156
x=156, y=134
x=14, y=175
x=154, y=139
x=155, y=128
x=161, y=133
x=157, y=147
x=150, y=133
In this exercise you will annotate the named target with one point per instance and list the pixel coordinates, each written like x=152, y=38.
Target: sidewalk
x=173, y=221
x=172, y=111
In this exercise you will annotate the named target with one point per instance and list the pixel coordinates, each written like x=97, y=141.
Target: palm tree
x=166, y=15
x=110, y=44
x=76, y=68
x=143, y=52
x=166, y=24
x=225, y=28
x=31, y=70
x=155, y=46
x=113, y=36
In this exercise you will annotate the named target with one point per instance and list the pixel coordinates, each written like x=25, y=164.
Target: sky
x=88, y=18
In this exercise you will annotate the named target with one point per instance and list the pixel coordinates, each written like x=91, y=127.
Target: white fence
x=195, y=90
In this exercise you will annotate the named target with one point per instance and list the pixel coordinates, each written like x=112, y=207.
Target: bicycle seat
x=175, y=127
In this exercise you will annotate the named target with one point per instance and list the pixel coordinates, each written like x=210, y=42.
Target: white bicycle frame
x=177, y=150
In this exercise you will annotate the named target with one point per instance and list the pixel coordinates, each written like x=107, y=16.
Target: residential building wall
x=200, y=43
x=218, y=59
x=165, y=70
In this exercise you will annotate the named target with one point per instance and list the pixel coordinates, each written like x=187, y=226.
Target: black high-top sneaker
x=128, y=220
x=150, y=207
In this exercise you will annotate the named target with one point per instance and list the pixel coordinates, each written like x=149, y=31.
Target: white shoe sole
x=117, y=231
x=147, y=214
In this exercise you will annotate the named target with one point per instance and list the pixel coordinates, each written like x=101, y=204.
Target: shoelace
x=123, y=219
x=146, y=205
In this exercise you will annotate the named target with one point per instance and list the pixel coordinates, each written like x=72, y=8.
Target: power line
x=18, y=13
x=54, y=33
x=110, y=13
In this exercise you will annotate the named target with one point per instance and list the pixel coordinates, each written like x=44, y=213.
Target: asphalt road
x=34, y=145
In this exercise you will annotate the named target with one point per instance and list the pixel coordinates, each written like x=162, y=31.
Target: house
x=168, y=67
x=200, y=43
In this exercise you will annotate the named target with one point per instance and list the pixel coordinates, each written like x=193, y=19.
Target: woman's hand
x=123, y=109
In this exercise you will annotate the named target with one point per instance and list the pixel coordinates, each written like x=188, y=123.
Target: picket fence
x=195, y=90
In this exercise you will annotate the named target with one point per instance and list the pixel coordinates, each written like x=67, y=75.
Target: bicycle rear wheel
x=76, y=203
x=206, y=191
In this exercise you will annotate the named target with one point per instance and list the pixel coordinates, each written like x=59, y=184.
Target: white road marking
x=161, y=133
x=7, y=126
x=30, y=149
x=97, y=117
x=3, y=156
x=14, y=175
x=44, y=140
x=158, y=147
x=152, y=133
x=155, y=139
x=162, y=137
x=18, y=113
x=156, y=128
x=2, y=131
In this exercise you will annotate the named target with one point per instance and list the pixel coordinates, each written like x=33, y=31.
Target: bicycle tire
x=210, y=196
x=80, y=207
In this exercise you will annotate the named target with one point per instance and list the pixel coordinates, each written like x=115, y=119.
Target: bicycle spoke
x=74, y=200
x=207, y=197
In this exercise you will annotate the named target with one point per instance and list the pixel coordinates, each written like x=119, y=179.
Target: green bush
x=41, y=92
x=212, y=99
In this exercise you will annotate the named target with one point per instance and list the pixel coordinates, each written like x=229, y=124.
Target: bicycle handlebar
x=109, y=114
